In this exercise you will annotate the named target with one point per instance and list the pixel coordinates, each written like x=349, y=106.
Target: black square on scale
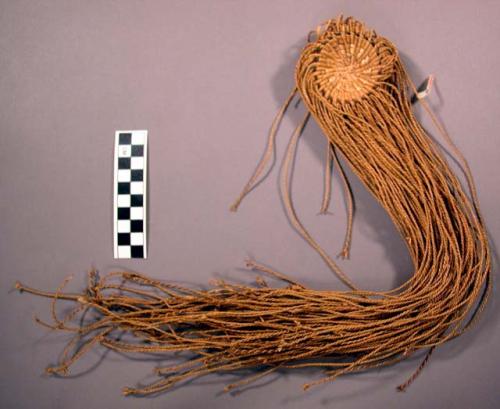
x=125, y=139
x=136, y=226
x=124, y=213
x=123, y=239
x=123, y=188
x=135, y=200
x=137, y=150
x=136, y=175
x=136, y=251
x=123, y=163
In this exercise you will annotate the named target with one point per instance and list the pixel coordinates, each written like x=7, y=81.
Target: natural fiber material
x=356, y=88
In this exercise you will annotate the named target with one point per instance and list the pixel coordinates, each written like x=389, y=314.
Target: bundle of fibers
x=355, y=86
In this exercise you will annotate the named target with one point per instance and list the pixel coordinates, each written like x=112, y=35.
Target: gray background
x=206, y=78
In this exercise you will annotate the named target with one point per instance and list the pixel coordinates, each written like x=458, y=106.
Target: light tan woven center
x=349, y=66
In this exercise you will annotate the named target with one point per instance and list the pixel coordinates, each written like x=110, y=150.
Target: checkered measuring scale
x=130, y=177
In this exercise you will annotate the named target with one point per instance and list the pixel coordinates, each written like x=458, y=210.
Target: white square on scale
x=124, y=151
x=138, y=137
x=124, y=252
x=137, y=162
x=123, y=226
x=136, y=213
x=137, y=239
x=123, y=201
x=136, y=188
x=123, y=175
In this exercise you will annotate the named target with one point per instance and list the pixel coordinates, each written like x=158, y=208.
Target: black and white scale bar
x=130, y=188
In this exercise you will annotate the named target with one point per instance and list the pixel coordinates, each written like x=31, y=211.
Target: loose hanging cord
x=355, y=86
x=350, y=204
x=331, y=156
x=327, y=187
x=268, y=154
x=292, y=215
